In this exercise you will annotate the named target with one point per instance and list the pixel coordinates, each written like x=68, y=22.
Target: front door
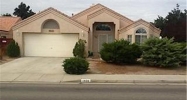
x=103, y=38
x=102, y=33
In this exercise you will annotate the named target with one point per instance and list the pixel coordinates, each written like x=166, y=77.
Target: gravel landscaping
x=100, y=67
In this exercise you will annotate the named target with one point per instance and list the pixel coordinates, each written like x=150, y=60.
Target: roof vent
x=92, y=5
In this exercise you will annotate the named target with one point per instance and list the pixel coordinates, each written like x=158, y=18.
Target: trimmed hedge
x=162, y=52
x=75, y=65
x=120, y=51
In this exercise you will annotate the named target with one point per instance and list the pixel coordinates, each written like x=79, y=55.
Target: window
x=50, y=24
x=141, y=31
x=140, y=35
x=129, y=38
x=103, y=27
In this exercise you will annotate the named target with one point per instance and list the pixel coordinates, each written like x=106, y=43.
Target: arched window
x=140, y=35
x=103, y=27
x=141, y=30
x=50, y=24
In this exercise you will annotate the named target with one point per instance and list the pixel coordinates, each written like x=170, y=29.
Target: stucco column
x=116, y=31
x=90, y=36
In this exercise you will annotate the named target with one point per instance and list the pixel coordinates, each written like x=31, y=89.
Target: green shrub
x=79, y=49
x=162, y=52
x=184, y=51
x=75, y=65
x=13, y=49
x=120, y=51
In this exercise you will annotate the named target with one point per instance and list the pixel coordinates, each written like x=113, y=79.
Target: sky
x=132, y=9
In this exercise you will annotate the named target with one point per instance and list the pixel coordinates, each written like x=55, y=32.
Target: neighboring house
x=6, y=23
x=51, y=33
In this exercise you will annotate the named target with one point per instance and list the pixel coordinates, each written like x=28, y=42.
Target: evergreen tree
x=13, y=49
x=23, y=11
x=173, y=25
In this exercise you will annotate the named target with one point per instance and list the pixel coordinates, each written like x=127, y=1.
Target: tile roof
x=6, y=22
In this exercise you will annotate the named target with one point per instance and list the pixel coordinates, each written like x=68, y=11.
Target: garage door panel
x=49, y=45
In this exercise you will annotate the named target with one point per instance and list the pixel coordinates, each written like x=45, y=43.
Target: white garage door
x=49, y=45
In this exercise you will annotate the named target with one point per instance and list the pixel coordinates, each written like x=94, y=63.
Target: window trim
x=46, y=21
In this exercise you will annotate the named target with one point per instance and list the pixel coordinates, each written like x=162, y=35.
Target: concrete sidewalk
x=95, y=78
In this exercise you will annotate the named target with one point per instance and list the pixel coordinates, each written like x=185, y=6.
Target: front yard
x=100, y=67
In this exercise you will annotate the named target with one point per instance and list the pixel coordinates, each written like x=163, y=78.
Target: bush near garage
x=120, y=52
x=13, y=49
x=162, y=52
x=79, y=49
x=75, y=65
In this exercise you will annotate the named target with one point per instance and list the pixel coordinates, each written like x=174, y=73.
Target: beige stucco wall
x=104, y=17
x=131, y=31
x=35, y=27
x=124, y=23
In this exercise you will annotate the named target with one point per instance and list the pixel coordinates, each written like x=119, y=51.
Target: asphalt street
x=20, y=91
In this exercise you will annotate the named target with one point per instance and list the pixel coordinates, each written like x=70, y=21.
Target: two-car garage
x=49, y=33
x=49, y=44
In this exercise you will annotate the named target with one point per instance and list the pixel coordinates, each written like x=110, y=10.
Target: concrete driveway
x=32, y=69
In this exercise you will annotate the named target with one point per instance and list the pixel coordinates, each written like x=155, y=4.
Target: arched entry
x=103, y=32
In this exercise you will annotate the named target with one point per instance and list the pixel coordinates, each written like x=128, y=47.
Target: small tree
x=23, y=11
x=79, y=49
x=162, y=52
x=13, y=49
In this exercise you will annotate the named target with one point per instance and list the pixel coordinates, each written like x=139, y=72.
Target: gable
x=138, y=23
x=87, y=11
x=94, y=10
x=49, y=13
x=103, y=12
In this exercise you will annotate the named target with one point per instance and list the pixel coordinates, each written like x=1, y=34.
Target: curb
x=103, y=81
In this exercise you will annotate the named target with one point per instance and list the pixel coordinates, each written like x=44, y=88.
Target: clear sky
x=133, y=9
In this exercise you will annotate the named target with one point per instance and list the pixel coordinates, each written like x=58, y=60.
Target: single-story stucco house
x=51, y=33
